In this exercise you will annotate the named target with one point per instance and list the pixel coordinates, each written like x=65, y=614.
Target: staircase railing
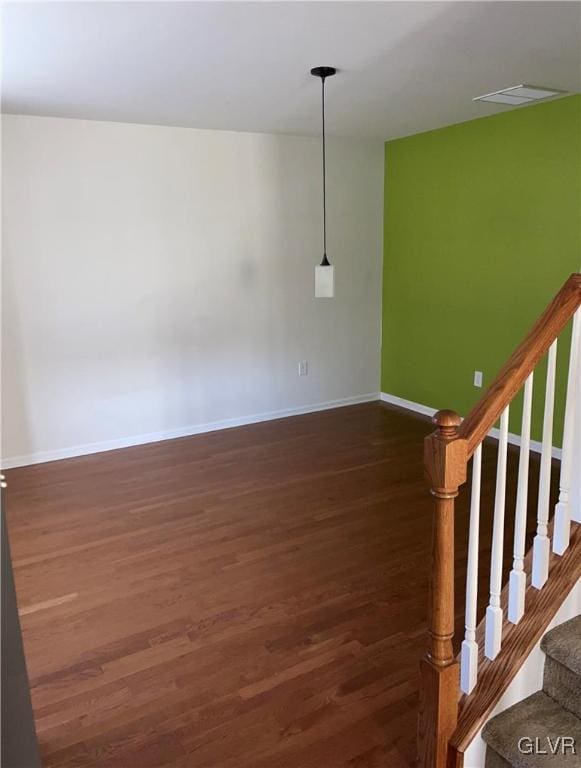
x=447, y=453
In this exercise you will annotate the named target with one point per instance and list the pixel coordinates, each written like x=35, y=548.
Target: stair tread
x=536, y=717
x=564, y=644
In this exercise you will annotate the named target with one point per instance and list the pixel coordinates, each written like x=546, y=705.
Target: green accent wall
x=482, y=227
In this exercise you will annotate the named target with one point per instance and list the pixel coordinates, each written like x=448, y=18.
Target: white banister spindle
x=518, y=578
x=469, y=657
x=575, y=505
x=493, y=634
x=541, y=544
x=575, y=502
x=562, y=528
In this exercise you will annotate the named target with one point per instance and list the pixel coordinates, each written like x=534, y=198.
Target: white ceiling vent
x=520, y=94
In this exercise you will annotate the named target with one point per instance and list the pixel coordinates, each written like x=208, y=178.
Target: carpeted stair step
x=562, y=677
x=494, y=760
x=535, y=724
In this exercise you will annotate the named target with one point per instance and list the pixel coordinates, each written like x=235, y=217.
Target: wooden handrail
x=446, y=455
x=521, y=364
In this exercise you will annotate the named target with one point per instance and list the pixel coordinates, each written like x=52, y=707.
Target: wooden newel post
x=445, y=461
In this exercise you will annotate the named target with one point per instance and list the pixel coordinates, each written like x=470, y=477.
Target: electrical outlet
x=477, y=378
x=303, y=368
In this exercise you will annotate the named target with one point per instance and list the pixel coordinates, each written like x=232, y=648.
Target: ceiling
x=405, y=67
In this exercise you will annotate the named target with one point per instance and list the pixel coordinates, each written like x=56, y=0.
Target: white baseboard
x=409, y=404
x=426, y=410
x=154, y=437
x=42, y=457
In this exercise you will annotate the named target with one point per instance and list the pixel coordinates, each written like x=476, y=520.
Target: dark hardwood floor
x=252, y=598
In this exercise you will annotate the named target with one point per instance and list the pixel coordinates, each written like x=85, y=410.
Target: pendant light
x=325, y=272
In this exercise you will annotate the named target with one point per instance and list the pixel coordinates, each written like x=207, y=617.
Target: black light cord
x=325, y=262
x=324, y=72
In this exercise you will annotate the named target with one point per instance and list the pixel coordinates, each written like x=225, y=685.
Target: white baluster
x=575, y=504
x=469, y=657
x=541, y=544
x=576, y=480
x=493, y=634
x=518, y=577
x=562, y=529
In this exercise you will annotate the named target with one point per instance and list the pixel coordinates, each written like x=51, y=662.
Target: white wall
x=156, y=280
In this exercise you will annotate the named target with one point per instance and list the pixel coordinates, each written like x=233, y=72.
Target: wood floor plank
x=252, y=598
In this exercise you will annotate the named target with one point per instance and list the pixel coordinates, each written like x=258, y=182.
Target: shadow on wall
x=15, y=397
x=261, y=316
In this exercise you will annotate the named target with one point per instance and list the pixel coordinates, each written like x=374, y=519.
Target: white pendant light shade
x=324, y=281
